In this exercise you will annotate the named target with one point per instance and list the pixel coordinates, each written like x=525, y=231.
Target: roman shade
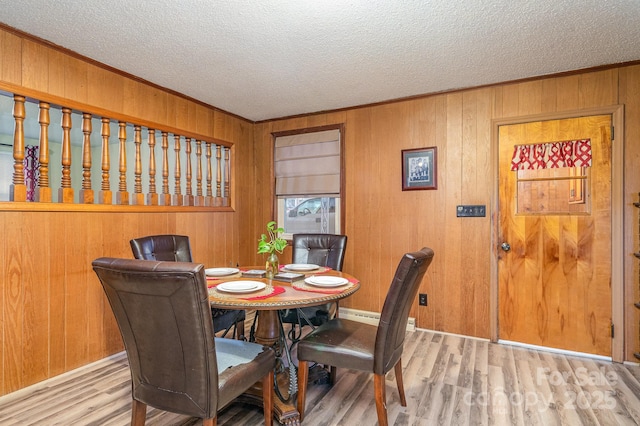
x=308, y=163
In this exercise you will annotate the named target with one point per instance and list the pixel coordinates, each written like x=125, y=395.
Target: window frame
x=340, y=210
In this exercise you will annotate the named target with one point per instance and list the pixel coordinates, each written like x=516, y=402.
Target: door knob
x=505, y=247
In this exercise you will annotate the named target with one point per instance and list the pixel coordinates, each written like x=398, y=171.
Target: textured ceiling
x=274, y=58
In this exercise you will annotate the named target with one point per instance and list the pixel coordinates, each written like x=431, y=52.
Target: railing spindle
x=218, y=201
x=177, y=196
x=122, y=196
x=209, y=201
x=18, y=190
x=65, y=192
x=138, y=196
x=188, y=198
x=152, y=196
x=165, y=200
x=43, y=191
x=227, y=174
x=86, y=193
x=199, y=200
x=105, y=196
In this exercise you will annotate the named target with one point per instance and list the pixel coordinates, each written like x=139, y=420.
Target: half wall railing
x=101, y=173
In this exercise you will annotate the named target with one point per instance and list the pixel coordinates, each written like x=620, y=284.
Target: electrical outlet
x=422, y=299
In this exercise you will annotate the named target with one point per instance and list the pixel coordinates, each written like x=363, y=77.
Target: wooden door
x=554, y=262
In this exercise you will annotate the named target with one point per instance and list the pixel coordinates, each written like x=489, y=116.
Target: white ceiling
x=275, y=58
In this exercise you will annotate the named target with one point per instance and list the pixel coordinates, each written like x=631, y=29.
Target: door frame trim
x=617, y=216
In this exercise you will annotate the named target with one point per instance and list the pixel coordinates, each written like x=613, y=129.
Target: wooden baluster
x=165, y=200
x=43, y=191
x=177, y=196
x=122, y=196
x=138, y=196
x=199, y=200
x=18, y=190
x=218, y=200
x=65, y=192
x=152, y=196
x=209, y=200
x=188, y=198
x=227, y=177
x=105, y=196
x=86, y=193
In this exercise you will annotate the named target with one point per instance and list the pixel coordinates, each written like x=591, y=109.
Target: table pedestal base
x=286, y=412
x=268, y=334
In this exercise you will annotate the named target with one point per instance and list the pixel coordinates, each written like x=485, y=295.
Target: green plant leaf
x=273, y=242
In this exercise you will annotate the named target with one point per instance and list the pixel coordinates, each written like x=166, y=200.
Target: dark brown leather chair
x=162, y=310
x=318, y=249
x=176, y=248
x=376, y=349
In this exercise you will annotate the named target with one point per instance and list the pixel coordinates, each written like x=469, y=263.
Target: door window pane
x=553, y=191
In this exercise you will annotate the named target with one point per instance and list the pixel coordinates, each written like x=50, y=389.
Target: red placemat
x=276, y=290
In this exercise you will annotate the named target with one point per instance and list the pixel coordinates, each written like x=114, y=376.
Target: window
x=311, y=215
x=308, y=180
x=553, y=191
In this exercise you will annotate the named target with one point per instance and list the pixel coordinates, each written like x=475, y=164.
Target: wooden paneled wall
x=55, y=316
x=383, y=222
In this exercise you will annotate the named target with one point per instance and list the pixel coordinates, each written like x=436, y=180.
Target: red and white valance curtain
x=552, y=155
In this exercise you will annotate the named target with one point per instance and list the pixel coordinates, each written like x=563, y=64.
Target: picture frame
x=420, y=168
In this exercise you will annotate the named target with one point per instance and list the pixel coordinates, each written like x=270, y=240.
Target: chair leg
x=138, y=413
x=333, y=375
x=379, y=391
x=398, y=371
x=240, y=330
x=210, y=422
x=267, y=398
x=303, y=377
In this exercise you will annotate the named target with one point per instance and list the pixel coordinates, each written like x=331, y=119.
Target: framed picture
x=419, y=168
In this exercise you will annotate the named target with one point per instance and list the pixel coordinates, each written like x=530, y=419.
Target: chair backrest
x=319, y=249
x=395, y=311
x=162, y=310
x=175, y=248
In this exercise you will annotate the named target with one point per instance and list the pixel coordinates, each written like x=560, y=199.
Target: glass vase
x=272, y=266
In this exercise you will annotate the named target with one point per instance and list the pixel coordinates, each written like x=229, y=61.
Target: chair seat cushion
x=342, y=342
x=239, y=363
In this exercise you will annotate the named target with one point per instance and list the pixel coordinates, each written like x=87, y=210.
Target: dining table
x=246, y=288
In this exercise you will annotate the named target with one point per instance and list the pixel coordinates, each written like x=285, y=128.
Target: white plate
x=301, y=266
x=220, y=272
x=241, y=286
x=326, y=281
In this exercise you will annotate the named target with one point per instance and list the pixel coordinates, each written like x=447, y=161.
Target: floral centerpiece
x=272, y=243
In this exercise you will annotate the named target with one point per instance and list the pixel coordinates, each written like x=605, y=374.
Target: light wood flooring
x=449, y=380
